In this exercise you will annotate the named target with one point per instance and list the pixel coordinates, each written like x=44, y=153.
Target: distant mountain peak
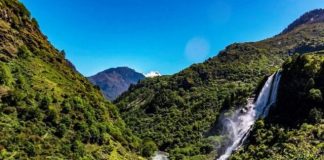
x=118, y=69
x=152, y=74
x=314, y=16
x=114, y=81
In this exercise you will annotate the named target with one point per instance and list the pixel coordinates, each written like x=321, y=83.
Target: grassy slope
x=178, y=112
x=47, y=109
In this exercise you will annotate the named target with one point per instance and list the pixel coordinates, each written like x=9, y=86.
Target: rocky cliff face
x=115, y=81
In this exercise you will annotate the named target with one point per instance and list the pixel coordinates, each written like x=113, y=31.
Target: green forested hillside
x=179, y=112
x=295, y=127
x=50, y=111
x=47, y=109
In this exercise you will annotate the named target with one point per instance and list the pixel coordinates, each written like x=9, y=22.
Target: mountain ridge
x=115, y=81
x=313, y=16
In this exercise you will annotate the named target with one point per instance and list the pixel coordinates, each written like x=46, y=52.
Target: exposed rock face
x=114, y=81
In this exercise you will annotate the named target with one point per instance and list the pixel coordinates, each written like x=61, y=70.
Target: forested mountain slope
x=294, y=128
x=47, y=109
x=179, y=112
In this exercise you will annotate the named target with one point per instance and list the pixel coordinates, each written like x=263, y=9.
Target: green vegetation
x=301, y=91
x=47, y=109
x=295, y=127
x=275, y=142
x=180, y=112
x=148, y=148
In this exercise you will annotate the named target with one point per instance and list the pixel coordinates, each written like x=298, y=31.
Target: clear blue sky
x=160, y=35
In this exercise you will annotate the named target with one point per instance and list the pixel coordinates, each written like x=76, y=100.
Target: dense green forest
x=47, y=109
x=179, y=112
x=50, y=111
x=295, y=127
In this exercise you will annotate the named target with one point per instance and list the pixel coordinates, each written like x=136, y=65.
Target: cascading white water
x=160, y=156
x=237, y=126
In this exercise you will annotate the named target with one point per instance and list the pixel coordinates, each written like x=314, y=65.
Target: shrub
x=105, y=138
x=66, y=107
x=95, y=134
x=24, y=52
x=61, y=130
x=5, y=75
x=63, y=53
x=148, y=148
x=66, y=121
x=23, y=11
x=80, y=126
x=52, y=116
x=21, y=82
x=14, y=98
x=78, y=104
x=46, y=101
x=30, y=113
x=78, y=148
x=315, y=95
x=206, y=149
x=34, y=21
x=315, y=115
x=30, y=149
x=116, y=133
x=9, y=110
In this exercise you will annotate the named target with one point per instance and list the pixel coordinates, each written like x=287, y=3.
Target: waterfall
x=160, y=156
x=237, y=126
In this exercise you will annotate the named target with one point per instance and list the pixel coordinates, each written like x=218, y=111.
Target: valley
x=252, y=100
x=180, y=112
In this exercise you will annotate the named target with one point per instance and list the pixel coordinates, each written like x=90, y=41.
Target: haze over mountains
x=50, y=111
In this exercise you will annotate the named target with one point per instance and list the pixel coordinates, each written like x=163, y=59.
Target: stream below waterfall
x=160, y=156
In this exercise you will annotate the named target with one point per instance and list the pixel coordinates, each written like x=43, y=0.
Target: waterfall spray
x=237, y=126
